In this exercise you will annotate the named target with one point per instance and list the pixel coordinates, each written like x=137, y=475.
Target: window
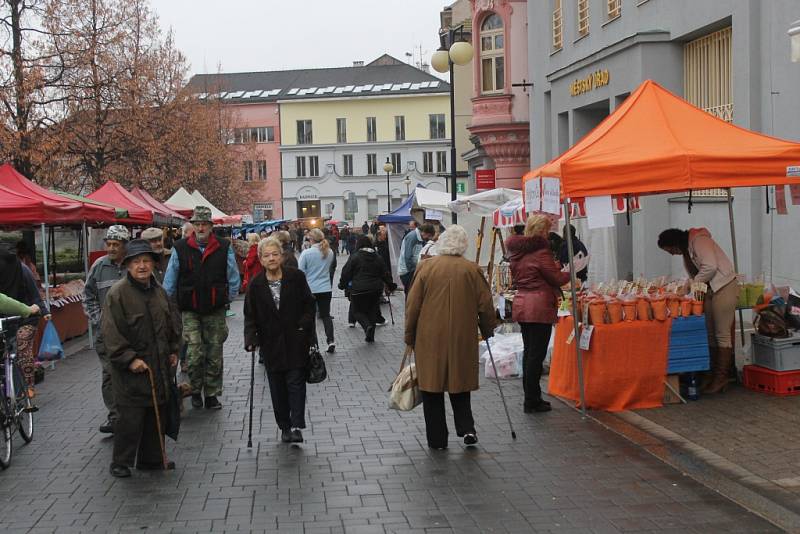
x=248, y=171
x=583, y=17
x=301, y=166
x=399, y=128
x=372, y=164
x=347, y=160
x=313, y=165
x=372, y=208
x=265, y=134
x=372, y=130
x=262, y=169
x=341, y=130
x=438, y=128
x=304, y=136
x=427, y=162
x=558, y=26
x=397, y=164
x=492, y=54
x=441, y=161
x=614, y=9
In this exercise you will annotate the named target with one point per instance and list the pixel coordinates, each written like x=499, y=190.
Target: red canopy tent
x=59, y=210
x=139, y=212
x=148, y=198
x=20, y=209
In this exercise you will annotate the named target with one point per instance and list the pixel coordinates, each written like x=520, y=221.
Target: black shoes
x=370, y=334
x=470, y=439
x=381, y=322
x=158, y=466
x=107, y=427
x=331, y=347
x=296, y=436
x=212, y=403
x=541, y=406
x=119, y=471
x=197, y=400
x=286, y=436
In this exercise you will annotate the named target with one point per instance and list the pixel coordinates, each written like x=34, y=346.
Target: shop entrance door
x=308, y=208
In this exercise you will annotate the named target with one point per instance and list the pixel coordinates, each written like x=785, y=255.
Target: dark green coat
x=136, y=324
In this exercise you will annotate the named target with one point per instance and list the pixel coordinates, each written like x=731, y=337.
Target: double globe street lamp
x=452, y=52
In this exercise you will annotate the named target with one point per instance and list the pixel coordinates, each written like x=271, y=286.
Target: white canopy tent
x=203, y=201
x=182, y=198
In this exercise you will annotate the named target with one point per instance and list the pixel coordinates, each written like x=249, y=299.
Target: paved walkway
x=363, y=468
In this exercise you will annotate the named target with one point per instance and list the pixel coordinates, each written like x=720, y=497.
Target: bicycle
x=16, y=407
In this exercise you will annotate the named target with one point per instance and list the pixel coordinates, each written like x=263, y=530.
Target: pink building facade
x=256, y=139
x=500, y=112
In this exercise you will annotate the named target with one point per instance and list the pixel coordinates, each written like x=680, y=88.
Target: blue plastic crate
x=688, y=345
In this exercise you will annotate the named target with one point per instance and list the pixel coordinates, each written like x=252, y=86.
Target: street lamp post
x=407, y=181
x=452, y=53
x=388, y=167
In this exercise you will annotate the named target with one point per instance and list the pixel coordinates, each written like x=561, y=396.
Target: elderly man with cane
x=142, y=347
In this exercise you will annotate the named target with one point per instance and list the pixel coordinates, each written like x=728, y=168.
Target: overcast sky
x=257, y=35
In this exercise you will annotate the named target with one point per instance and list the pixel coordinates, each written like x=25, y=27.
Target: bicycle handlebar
x=11, y=319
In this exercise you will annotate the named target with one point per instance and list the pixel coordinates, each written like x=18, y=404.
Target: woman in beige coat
x=448, y=306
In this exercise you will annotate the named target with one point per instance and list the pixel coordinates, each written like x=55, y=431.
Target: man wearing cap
x=155, y=236
x=105, y=272
x=203, y=276
x=140, y=338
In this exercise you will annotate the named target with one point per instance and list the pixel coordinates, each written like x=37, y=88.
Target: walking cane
x=391, y=313
x=158, y=418
x=497, y=378
x=252, y=375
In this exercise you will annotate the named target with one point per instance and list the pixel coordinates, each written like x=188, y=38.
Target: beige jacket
x=713, y=265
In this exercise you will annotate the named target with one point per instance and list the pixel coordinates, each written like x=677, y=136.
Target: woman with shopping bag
x=448, y=306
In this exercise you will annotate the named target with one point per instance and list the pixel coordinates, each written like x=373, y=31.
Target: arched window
x=492, y=58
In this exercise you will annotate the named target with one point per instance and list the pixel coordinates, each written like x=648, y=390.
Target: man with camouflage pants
x=203, y=276
x=105, y=272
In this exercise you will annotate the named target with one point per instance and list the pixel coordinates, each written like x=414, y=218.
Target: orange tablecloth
x=623, y=369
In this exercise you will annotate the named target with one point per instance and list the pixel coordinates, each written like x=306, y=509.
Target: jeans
x=435, y=421
x=535, y=338
x=366, y=308
x=406, y=279
x=323, y=305
x=288, y=392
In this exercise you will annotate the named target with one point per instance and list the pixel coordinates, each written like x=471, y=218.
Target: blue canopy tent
x=403, y=212
x=396, y=224
x=245, y=229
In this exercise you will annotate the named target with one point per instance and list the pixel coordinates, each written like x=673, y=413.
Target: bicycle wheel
x=23, y=409
x=6, y=420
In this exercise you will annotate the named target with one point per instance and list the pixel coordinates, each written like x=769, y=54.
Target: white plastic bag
x=404, y=391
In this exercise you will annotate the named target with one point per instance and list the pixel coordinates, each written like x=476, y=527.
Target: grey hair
x=453, y=241
x=269, y=242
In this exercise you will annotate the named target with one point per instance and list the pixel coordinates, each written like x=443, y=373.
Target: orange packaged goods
x=629, y=305
x=674, y=305
x=643, y=309
x=697, y=307
x=614, y=310
x=686, y=306
x=659, y=305
x=597, y=311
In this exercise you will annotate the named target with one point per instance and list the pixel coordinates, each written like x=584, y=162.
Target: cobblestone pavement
x=363, y=468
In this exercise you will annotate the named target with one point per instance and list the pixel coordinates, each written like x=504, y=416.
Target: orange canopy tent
x=656, y=142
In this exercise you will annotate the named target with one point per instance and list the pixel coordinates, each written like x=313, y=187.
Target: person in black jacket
x=366, y=275
x=279, y=319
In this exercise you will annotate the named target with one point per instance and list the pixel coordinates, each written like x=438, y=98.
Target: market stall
x=655, y=142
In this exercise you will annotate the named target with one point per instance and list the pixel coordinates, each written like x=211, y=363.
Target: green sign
x=461, y=187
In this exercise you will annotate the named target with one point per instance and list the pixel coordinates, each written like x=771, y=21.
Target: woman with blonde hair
x=448, y=303
x=316, y=262
x=278, y=320
x=538, y=280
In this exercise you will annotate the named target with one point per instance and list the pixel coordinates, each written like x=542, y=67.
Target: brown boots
x=721, y=363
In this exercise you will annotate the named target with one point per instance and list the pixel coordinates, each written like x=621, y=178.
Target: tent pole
x=490, y=268
x=480, y=241
x=735, y=256
x=85, y=241
x=573, y=289
x=45, y=261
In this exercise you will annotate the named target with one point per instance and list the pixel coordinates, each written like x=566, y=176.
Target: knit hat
x=137, y=247
x=117, y=232
x=201, y=214
x=152, y=233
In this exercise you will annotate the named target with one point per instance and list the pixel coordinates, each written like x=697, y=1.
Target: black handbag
x=172, y=424
x=315, y=371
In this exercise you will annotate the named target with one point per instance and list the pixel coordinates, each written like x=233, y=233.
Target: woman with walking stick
x=448, y=305
x=142, y=346
x=278, y=320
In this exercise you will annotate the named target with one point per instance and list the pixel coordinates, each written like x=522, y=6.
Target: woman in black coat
x=278, y=319
x=366, y=274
